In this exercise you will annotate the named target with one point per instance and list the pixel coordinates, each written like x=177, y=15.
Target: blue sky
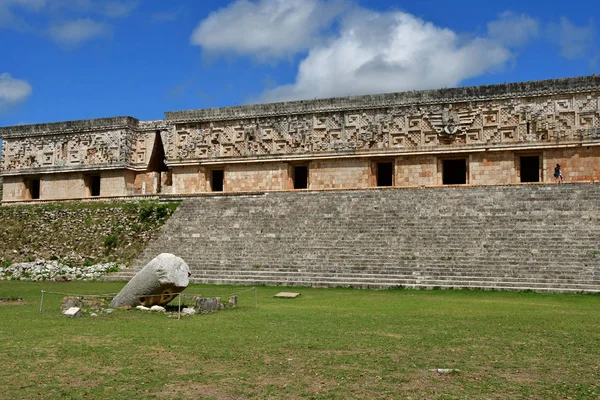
x=77, y=59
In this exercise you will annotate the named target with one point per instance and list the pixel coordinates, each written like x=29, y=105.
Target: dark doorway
x=385, y=174
x=157, y=158
x=216, y=180
x=454, y=172
x=530, y=169
x=300, y=177
x=33, y=185
x=94, y=185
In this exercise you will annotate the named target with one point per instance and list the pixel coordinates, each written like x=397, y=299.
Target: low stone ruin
x=159, y=282
x=210, y=304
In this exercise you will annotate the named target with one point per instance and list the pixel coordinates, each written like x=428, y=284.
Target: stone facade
x=486, y=135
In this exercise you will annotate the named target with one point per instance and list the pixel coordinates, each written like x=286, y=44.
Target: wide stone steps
x=538, y=237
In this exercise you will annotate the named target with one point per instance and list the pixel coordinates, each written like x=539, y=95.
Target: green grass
x=80, y=233
x=326, y=344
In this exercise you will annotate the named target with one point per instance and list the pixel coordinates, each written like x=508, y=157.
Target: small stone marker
x=445, y=371
x=188, y=311
x=287, y=295
x=158, y=308
x=73, y=312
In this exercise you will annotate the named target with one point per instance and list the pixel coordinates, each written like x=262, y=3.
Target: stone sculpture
x=159, y=282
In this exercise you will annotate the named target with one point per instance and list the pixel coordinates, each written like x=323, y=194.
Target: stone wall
x=340, y=141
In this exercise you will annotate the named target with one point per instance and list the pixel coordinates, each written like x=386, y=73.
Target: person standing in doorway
x=558, y=174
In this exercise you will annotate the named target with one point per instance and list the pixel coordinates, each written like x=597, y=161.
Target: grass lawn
x=326, y=344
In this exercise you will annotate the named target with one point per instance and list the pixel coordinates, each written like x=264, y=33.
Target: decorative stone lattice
x=502, y=121
x=531, y=112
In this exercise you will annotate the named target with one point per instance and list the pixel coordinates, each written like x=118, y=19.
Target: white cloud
x=514, y=29
x=73, y=33
x=12, y=91
x=574, y=41
x=8, y=19
x=387, y=52
x=119, y=9
x=265, y=29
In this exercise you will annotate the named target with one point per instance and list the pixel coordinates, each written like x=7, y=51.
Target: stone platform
x=522, y=237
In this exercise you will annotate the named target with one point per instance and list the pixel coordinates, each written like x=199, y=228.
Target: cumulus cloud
x=12, y=91
x=73, y=33
x=574, y=41
x=8, y=19
x=386, y=52
x=266, y=29
x=514, y=29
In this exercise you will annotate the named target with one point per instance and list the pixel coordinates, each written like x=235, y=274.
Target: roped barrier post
x=179, y=307
x=42, y=301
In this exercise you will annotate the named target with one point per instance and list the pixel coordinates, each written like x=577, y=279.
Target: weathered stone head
x=159, y=282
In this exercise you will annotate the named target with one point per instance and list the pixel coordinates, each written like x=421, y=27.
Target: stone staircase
x=525, y=237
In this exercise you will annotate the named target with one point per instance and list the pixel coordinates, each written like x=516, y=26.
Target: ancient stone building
x=487, y=135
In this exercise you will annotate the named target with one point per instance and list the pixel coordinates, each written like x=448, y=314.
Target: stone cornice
x=402, y=99
x=68, y=127
x=65, y=169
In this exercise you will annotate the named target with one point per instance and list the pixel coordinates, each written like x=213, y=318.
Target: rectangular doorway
x=385, y=173
x=33, y=186
x=217, y=176
x=530, y=168
x=94, y=185
x=300, y=176
x=454, y=172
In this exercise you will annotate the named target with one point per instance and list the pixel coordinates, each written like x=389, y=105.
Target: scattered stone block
x=11, y=299
x=73, y=312
x=158, y=308
x=159, y=282
x=188, y=311
x=93, y=314
x=445, y=371
x=143, y=308
x=233, y=300
x=287, y=295
x=207, y=304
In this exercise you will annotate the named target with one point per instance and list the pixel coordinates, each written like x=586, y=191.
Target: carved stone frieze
x=69, y=151
x=492, y=122
x=497, y=115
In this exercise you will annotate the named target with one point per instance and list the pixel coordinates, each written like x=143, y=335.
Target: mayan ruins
x=487, y=135
x=437, y=188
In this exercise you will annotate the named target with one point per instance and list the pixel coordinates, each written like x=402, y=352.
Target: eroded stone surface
x=288, y=295
x=159, y=282
x=73, y=312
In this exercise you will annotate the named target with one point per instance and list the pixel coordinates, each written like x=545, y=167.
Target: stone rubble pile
x=43, y=270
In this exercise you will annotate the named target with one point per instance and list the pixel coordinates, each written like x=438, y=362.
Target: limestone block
x=204, y=304
x=73, y=312
x=189, y=311
x=159, y=282
x=233, y=300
